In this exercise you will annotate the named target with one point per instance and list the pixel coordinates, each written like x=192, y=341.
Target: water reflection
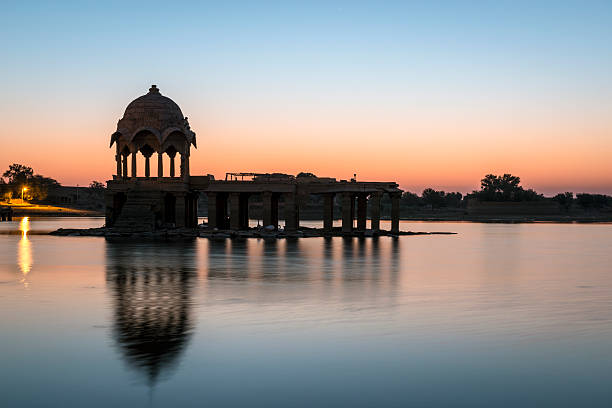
x=24, y=252
x=151, y=287
x=327, y=261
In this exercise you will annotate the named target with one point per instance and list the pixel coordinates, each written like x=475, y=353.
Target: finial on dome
x=153, y=89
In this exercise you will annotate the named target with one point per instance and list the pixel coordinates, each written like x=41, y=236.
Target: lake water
x=499, y=315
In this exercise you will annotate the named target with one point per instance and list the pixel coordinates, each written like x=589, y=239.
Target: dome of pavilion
x=155, y=120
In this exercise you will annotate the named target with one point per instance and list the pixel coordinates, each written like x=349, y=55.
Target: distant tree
x=18, y=174
x=433, y=198
x=508, y=186
x=38, y=187
x=504, y=188
x=587, y=201
x=410, y=199
x=565, y=200
x=305, y=174
x=96, y=185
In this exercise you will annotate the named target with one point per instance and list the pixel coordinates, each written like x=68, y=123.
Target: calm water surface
x=498, y=315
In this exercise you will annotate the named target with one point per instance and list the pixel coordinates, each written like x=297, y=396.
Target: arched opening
x=170, y=208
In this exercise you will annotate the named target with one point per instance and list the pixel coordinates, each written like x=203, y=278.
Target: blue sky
x=377, y=65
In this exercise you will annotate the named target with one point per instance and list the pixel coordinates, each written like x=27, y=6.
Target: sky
x=428, y=94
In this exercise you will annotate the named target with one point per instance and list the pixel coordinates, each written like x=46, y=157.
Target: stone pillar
x=147, y=166
x=118, y=160
x=375, y=211
x=328, y=212
x=348, y=208
x=395, y=212
x=160, y=165
x=244, y=211
x=235, y=211
x=292, y=216
x=172, y=163
x=186, y=168
x=212, y=211
x=179, y=211
x=134, y=165
x=125, y=166
x=362, y=211
x=182, y=166
x=270, y=209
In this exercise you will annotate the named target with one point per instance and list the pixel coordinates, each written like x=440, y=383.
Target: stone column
x=270, y=209
x=292, y=217
x=182, y=171
x=172, y=163
x=375, y=211
x=362, y=211
x=186, y=168
x=244, y=211
x=125, y=165
x=179, y=211
x=212, y=211
x=147, y=166
x=348, y=206
x=395, y=212
x=118, y=160
x=328, y=212
x=134, y=165
x=235, y=211
x=160, y=165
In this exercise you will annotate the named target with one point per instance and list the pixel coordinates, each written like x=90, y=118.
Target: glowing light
x=24, y=254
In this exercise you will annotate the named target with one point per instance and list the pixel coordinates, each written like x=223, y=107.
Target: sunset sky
x=435, y=94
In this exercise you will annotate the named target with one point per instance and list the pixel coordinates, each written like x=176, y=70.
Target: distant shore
x=41, y=210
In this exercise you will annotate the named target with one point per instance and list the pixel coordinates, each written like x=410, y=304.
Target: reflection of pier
x=151, y=289
x=155, y=124
x=6, y=214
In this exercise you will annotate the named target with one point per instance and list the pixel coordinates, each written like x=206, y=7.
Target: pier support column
x=375, y=211
x=244, y=211
x=328, y=212
x=348, y=212
x=134, y=165
x=362, y=211
x=179, y=210
x=270, y=209
x=235, y=211
x=212, y=211
x=292, y=217
x=395, y=212
x=160, y=165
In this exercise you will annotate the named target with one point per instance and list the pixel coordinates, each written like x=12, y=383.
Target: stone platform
x=184, y=233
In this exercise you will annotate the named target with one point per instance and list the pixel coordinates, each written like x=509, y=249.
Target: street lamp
x=22, y=190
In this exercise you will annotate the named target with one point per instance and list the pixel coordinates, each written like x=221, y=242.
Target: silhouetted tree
x=565, y=200
x=96, y=185
x=20, y=176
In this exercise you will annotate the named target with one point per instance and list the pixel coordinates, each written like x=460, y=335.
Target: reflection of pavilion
x=151, y=288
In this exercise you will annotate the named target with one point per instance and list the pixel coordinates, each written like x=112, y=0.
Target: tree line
x=504, y=188
x=20, y=179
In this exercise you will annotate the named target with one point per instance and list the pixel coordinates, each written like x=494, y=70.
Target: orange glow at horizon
x=450, y=152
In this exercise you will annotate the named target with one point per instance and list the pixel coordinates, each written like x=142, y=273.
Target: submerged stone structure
x=153, y=124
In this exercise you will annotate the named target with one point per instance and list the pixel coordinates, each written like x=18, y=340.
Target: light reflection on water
x=498, y=315
x=25, y=251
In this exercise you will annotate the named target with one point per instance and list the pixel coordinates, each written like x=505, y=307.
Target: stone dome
x=154, y=114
